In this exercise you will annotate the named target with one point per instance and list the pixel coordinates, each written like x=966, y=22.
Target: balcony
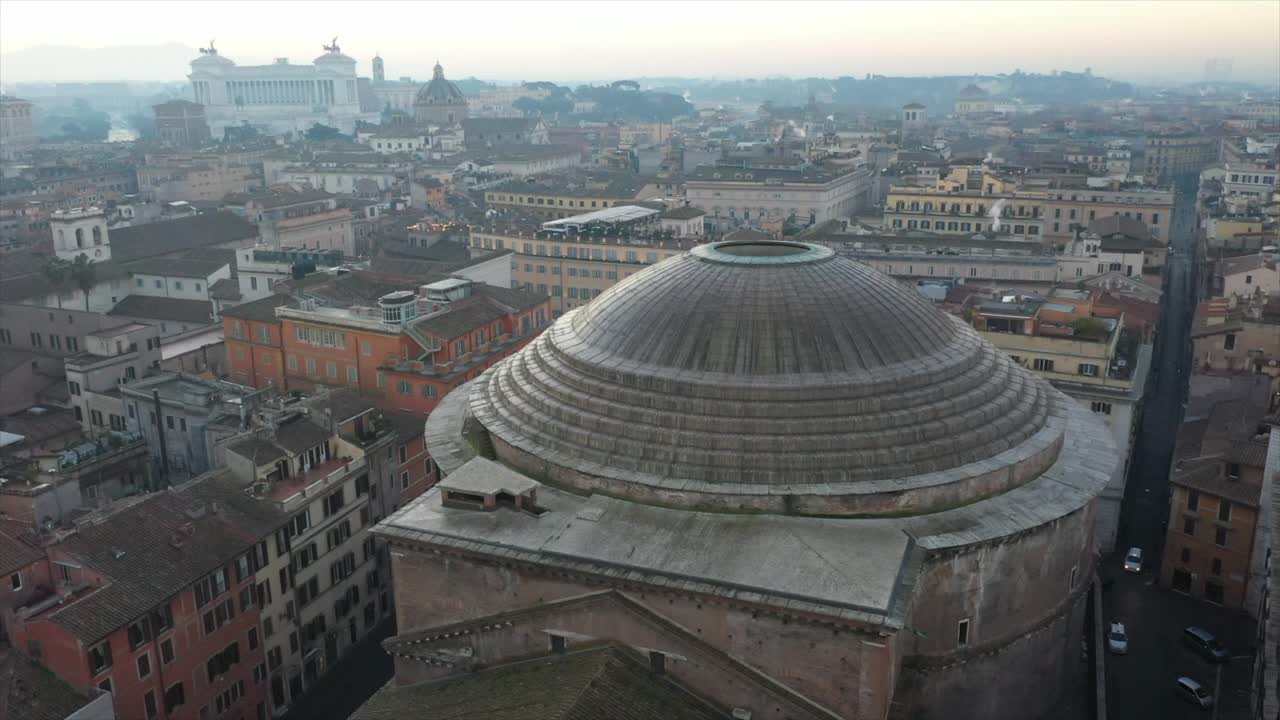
x=291, y=491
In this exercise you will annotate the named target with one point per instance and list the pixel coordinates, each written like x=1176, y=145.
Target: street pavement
x=1141, y=684
x=351, y=682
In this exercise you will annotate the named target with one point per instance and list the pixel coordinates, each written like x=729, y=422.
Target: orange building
x=404, y=353
x=254, y=349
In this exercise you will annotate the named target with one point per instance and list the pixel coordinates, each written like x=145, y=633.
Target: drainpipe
x=164, y=451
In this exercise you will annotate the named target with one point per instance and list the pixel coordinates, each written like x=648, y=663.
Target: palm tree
x=57, y=270
x=85, y=275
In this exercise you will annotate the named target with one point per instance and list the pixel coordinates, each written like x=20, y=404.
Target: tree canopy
x=322, y=133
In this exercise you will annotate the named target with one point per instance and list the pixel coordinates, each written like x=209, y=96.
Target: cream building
x=1250, y=275
x=282, y=96
x=575, y=259
x=1083, y=350
x=735, y=196
x=1174, y=152
x=1069, y=209
x=17, y=133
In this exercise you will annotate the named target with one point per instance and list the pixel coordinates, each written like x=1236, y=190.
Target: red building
x=402, y=348
x=157, y=604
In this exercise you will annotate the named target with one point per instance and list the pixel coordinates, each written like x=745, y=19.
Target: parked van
x=1205, y=644
x=1193, y=692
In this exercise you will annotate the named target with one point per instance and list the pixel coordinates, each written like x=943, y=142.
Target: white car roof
x=1192, y=684
x=1117, y=627
x=1135, y=551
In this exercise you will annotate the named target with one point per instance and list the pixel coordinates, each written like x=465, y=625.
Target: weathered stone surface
x=716, y=375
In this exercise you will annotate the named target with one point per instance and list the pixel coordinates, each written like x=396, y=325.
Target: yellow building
x=572, y=270
x=572, y=260
x=555, y=197
x=965, y=202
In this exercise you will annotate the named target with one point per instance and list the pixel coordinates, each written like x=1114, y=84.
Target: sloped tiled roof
x=196, y=312
x=604, y=682
x=225, y=289
x=16, y=554
x=186, y=267
x=164, y=238
x=134, y=549
x=459, y=321
x=686, y=212
x=263, y=310
x=1119, y=224
x=30, y=692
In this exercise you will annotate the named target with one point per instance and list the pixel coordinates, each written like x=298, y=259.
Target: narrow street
x=351, y=682
x=1141, y=684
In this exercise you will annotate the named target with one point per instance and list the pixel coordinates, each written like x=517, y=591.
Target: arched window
x=62, y=236
x=79, y=237
x=97, y=235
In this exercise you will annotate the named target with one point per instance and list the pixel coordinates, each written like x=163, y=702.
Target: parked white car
x=1118, y=639
x=1133, y=560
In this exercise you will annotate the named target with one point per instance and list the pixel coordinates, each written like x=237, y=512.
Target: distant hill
x=48, y=63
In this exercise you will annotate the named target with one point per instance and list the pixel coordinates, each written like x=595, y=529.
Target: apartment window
x=166, y=651
x=1189, y=526
x=1229, y=342
x=73, y=387
x=1186, y=555
x=168, y=420
x=404, y=480
x=1193, y=500
x=1087, y=369
x=1220, y=537
x=264, y=334
x=1042, y=365
x=100, y=657
x=15, y=581
x=1216, y=567
x=157, y=282
x=1224, y=510
x=1233, y=471
x=331, y=369
x=174, y=698
x=292, y=362
x=144, y=665
x=149, y=704
x=334, y=502
x=365, y=348
x=220, y=663
x=962, y=633
x=405, y=387
x=428, y=390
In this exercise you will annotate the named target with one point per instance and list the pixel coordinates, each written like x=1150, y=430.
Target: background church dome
x=439, y=91
x=738, y=373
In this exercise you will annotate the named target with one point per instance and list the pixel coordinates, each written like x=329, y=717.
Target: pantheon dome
x=769, y=376
x=796, y=485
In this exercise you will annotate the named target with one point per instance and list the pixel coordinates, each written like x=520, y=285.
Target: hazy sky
x=611, y=40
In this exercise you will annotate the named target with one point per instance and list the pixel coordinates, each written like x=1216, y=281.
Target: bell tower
x=80, y=231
